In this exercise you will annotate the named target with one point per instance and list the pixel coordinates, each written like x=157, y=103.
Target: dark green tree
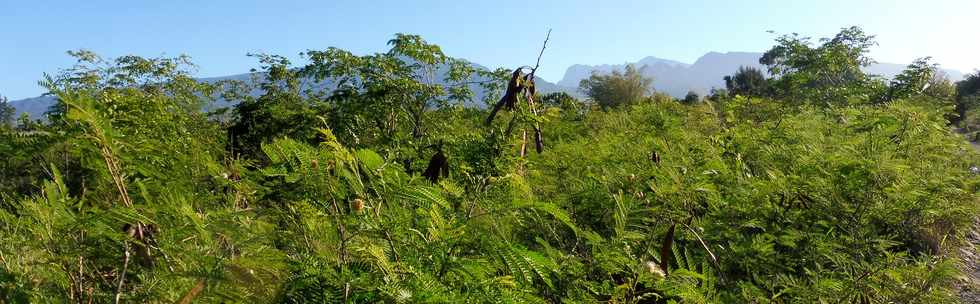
x=280, y=110
x=571, y=107
x=967, y=94
x=920, y=78
x=826, y=73
x=385, y=98
x=969, y=85
x=618, y=88
x=717, y=94
x=747, y=81
x=557, y=99
x=7, y=112
x=691, y=98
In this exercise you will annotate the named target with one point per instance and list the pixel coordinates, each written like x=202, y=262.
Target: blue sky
x=34, y=35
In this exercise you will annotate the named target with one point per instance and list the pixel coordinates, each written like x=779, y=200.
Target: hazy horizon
x=217, y=35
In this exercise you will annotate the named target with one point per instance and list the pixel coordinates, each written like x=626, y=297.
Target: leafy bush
x=619, y=88
x=131, y=193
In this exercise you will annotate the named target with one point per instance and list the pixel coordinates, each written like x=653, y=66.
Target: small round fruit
x=357, y=204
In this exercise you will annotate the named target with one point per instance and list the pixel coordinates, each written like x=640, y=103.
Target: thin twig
x=4, y=260
x=122, y=276
x=530, y=99
x=346, y=292
x=341, y=232
x=72, y=281
x=714, y=260
x=543, y=46
x=81, y=276
x=523, y=143
x=392, y=245
x=115, y=171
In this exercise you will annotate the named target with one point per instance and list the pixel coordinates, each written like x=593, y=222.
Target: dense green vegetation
x=820, y=184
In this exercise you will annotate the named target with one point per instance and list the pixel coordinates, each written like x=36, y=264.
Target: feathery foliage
x=130, y=191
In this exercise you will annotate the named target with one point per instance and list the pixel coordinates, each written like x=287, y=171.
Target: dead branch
x=543, y=46
x=519, y=85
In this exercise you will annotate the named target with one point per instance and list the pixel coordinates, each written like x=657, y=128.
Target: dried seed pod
x=529, y=84
x=666, y=255
x=234, y=176
x=314, y=164
x=143, y=236
x=538, y=140
x=438, y=166
x=510, y=96
x=655, y=157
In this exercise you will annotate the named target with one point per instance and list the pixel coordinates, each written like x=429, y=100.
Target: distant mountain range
x=677, y=78
x=669, y=76
x=37, y=106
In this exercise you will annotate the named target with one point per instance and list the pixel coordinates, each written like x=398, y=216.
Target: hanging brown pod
x=655, y=157
x=510, y=96
x=529, y=84
x=144, y=237
x=538, y=140
x=666, y=255
x=438, y=166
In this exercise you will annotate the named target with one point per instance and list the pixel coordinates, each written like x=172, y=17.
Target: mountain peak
x=650, y=60
x=744, y=58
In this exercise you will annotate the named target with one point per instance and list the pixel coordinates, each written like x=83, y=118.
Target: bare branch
x=543, y=46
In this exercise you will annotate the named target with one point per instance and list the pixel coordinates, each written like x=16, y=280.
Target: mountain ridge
x=37, y=106
x=673, y=77
x=707, y=72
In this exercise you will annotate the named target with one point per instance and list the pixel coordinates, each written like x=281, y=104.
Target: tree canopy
x=747, y=81
x=618, y=88
x=828, y=72
x=7, y=112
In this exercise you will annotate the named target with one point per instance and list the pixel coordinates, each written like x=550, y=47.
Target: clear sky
x=34, y=34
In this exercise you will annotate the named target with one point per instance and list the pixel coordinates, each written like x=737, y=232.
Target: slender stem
x=523, y=143
x=122, y=276
x=392, y=245
x=81, y=276
x=4, y=260
x=346, y=292
x=714, y=260
x=341, y=232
